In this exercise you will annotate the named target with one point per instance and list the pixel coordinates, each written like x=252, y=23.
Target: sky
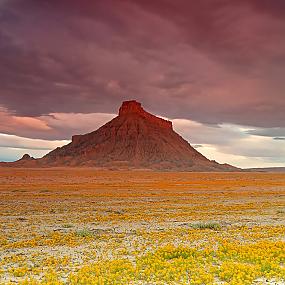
x=214, y=67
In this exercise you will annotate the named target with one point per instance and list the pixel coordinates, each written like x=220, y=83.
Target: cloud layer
x=237, y=145
x=211, y=61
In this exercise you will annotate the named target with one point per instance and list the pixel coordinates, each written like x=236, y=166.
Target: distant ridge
x=266, y=169
x=135, y=139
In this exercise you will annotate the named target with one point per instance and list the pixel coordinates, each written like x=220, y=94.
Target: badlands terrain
x=85, y=226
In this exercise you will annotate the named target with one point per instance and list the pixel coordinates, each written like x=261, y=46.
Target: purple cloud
x=211, y=61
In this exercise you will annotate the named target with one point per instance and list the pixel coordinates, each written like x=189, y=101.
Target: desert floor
x=84, y=226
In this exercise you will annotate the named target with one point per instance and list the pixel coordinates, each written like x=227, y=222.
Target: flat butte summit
x=135, y=139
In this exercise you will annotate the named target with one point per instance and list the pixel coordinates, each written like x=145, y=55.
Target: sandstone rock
x=134, y=139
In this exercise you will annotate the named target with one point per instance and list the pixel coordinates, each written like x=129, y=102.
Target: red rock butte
x=129, y=107
x=135, y=139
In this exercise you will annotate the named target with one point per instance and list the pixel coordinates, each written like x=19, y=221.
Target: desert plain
x=89, y=226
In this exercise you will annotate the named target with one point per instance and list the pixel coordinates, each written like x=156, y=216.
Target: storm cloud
x=212, y=62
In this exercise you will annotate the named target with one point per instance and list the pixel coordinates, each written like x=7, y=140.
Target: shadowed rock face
x=134, y=139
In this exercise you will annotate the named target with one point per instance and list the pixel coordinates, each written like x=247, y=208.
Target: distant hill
x=267, y=169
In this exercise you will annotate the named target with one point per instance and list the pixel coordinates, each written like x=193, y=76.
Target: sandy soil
x=56, y=221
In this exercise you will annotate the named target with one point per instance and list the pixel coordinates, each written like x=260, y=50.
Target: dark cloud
x=268, y=132
x=212, y=61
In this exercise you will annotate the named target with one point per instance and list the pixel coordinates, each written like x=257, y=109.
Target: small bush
x=84, y=233
x=67, y=226
x=206, y=225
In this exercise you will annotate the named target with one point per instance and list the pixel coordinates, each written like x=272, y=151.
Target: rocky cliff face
x=134, y=139
x=133, y=107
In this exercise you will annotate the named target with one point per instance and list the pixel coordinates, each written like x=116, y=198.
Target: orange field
x=84, y=226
